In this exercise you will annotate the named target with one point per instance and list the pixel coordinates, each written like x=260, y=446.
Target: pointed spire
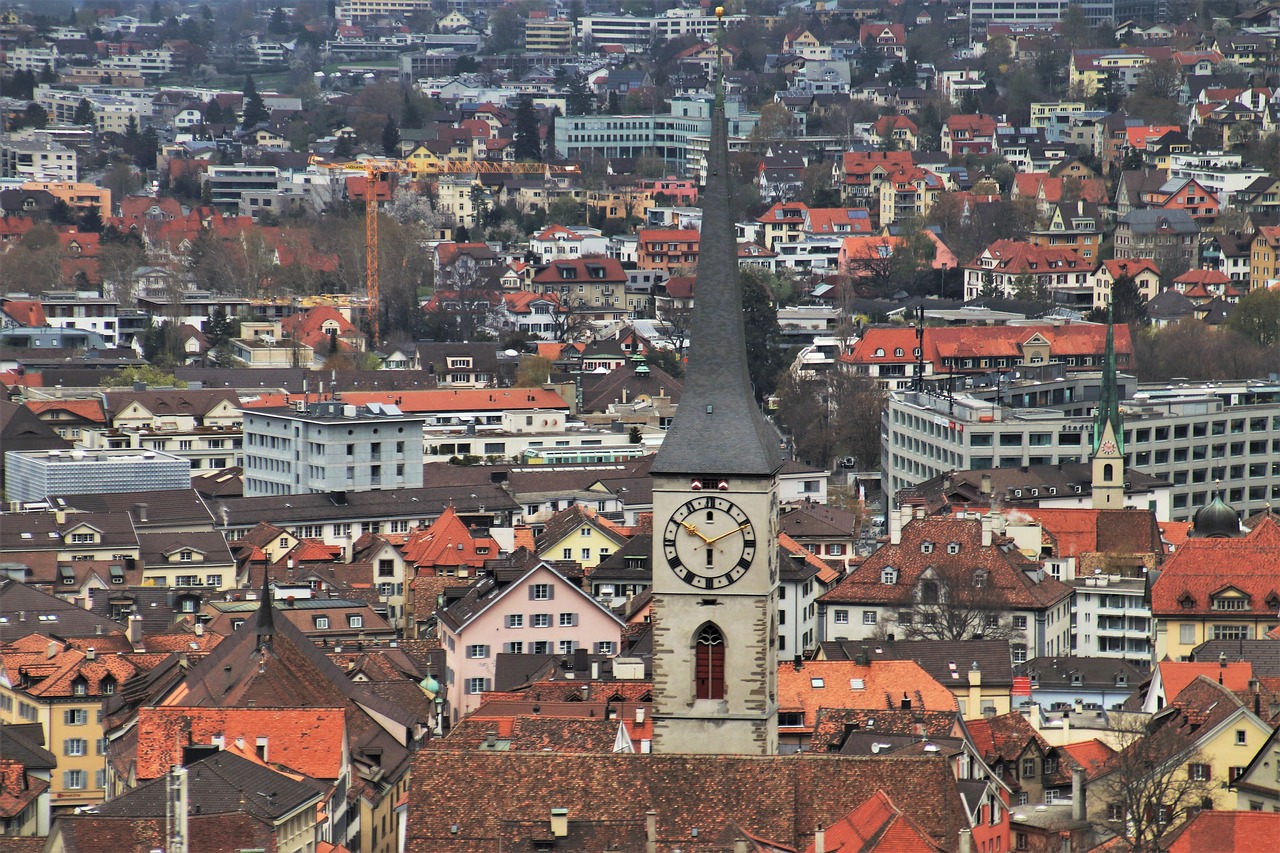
x=719, y=428
x=1109, y=397
x=266, y=620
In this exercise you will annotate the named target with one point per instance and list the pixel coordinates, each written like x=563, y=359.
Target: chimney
x=639, y=715
x=559, y=822
x=984, y=486
x=1077, y=795
x=906, y=702
x=966, y=841
x=986, y=531
x=134, y=630
x=819, y=840
x=140, y=512
x=491, y=741
x=975, y=688
x=740, y=846
x=650, y=831
x=896, y=520
x=90, y=653
x=595, y=670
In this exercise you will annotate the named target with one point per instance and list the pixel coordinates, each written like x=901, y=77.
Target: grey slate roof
x=718, y=429
x=25, y=607
x=935, y=657
x=1263, y=654
x=223, y=782
x=1151, y=221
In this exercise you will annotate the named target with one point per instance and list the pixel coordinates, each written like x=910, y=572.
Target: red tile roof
x=877, y=826
x=1226, y=832
x=1202, y=568
x=310, y=741
x=441, y=400
x=1176, y=675
x=25, y=312
x=847, y=684
x=89, y=410
x=1007, y=581
x=448, y=542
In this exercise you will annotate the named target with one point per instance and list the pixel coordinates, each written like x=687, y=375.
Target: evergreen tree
x=615, y=106
x=91, y=220
x=390, y=138
x=411, y=115
x=47, y=75
x=131, y=129
x=84, y=113
x=148, y=147
x=213, y=112
x=579, y=99
x=255, y=111
x=279, y=23
x=528, y=142
x=344, y=148
x=35, y=116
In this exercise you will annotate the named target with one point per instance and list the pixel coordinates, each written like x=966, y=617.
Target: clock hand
x=694, y=530
x=730, y=533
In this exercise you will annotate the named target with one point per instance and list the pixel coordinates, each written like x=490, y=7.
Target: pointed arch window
x=709, y=663
x=1108, y=472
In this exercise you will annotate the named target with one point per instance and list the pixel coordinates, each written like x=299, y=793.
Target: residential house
x=1219, y=585
x=1163, y=235
x=896, y=133
x=579, y=534
x=1143, y=271
x=857, y=175
x=932, y=564
x=1006, y=264
x=593, y=286
x=1264, y=266
x=672, y=250
x=908, y=194
x=1184, y=194
x=968, y=134
x=1071, y=225
x=539, y=611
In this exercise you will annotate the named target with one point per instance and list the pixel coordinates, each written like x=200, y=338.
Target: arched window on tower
x=709, y=663
x=1108, y=471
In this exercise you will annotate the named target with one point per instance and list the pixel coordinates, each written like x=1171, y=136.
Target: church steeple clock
x=715, y=571
x=1108, y=434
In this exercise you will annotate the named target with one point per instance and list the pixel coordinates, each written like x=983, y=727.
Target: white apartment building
x=36, y=157
x=84, y=310
x=148, y=63
x=1191, y=437
x=1222, y=174
x=331, y=447
x=354, y=11
x=111, y=113
x=34, y=59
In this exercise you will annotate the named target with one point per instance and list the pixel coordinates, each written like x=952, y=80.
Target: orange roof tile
x=877, y=825
x=89, y=410
x=1202, y=568
x=848, y=684
x=1176, y=675
x=307, y=740
x=1226, y=832
x=439, y=400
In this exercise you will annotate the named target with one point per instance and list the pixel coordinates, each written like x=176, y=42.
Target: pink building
x=542, y=612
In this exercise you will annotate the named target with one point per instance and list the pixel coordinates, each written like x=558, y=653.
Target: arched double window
x=709, y=663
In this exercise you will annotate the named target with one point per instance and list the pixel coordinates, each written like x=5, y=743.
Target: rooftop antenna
x=917, y=381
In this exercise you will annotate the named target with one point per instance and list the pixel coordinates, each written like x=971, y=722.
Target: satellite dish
x=511, y=353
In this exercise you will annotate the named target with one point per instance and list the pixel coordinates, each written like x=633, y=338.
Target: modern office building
x=1193, y=436
x=330, y=446
x=679, y=137
x=34, y=475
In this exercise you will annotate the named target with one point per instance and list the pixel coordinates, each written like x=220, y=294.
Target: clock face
x=1108, y=446
x=709, y=542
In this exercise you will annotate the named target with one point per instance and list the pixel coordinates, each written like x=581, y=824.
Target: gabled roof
x=877, y=825
x=572, y=518
x=486, y=592
x=1233, y=831
x=780, y=798
x=1202, y=567
x=848, y=684
x=448, y=542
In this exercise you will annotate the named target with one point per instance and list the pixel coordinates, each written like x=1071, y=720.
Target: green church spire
x=1109, y=396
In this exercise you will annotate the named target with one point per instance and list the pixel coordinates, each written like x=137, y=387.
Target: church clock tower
x=715, y=510
x=1108, y=434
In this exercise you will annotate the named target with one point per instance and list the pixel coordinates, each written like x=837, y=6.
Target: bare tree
x=1156, y=780
x=959, y=603
x=572, y=321
x=832, y=415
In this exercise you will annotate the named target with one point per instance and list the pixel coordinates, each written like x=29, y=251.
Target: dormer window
x=926, y=547
x=980, y=578
x=879, y=353
x=888, y=575
x=1076, y=679
x=953, y=548
x=898, y=352
x=79, y=687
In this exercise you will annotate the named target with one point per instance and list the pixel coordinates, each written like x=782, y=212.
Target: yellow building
x=1220, y=585
x=548, y=35
x=62, y=687
x=580, y=535
x=1264, y=259
x=75, y=194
